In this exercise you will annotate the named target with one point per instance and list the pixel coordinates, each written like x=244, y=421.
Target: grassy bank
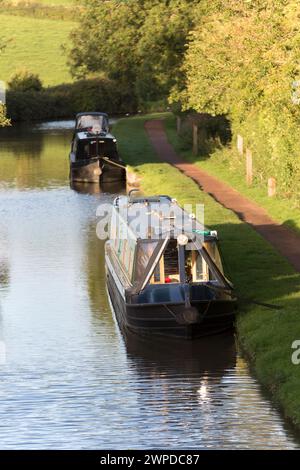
x=227, y=165
x=255, y=268
x=35, y=44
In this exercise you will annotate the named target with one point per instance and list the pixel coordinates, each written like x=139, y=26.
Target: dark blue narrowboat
x=169, y=279
x=94, y=156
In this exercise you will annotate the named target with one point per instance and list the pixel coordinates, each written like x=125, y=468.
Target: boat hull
x=160, y=319
x=93, y=172
x=112, y=174
x=85, y=173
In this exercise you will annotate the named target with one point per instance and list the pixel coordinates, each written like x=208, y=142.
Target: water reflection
x=33, y=159
x=70, y=380
x=161, y=357
x=203, y=392
x=114, y=188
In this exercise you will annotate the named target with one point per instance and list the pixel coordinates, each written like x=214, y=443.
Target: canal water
x=68, y=378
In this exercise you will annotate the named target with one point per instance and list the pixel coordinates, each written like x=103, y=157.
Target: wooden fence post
x=195, y=139
x=240, y=144
x=249, y=167
x=178, y=121
x=271, y=187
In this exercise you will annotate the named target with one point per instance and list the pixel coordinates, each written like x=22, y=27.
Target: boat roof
x=90, y=136
x=165, y=214
x=92, y=113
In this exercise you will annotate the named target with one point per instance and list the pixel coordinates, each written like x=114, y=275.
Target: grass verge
x=255, y=268
x=285, y=211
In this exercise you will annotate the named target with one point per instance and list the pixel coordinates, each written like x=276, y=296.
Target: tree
x=162, y=45
x=242, y=60
x=139, y=43
x=24, y=80
x=106, y=38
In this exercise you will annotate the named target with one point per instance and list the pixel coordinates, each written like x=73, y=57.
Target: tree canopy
x=140, y=43
x=243, y=60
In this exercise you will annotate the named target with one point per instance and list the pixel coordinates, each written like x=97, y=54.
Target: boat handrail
x=147, y=199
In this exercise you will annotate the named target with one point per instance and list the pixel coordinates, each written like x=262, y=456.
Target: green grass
x=36, y=45
x=218, y=164
x=255, y=268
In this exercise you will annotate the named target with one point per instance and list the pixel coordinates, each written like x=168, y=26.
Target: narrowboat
x=94, y=156
x=164, y=271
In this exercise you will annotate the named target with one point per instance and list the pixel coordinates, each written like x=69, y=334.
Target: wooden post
x=271, y=187
x=195, y=139
x=178, y=122
x=249, y=167
x=240, y=144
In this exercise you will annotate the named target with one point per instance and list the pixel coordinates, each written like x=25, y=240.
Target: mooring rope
x=106, y=159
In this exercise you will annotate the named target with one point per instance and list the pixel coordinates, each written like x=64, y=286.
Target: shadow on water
x=156, y=357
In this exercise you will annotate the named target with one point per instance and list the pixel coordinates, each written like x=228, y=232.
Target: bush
x=3, y=119
x=24, y=80
x=64, y=101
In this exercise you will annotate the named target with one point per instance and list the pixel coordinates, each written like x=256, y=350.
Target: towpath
x=284, y=240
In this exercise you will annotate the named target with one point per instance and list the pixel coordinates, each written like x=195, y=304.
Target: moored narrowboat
x=164, y=271
x=94, y=156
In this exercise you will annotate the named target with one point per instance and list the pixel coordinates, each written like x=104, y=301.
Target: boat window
x=87, y=149
x=196, y=268
x=171, y=266
x=167, y=270
x=213, y=251
x=145, y=250
x=128, y=259
x=90, y=122
x=91, y=149
x=125, y=250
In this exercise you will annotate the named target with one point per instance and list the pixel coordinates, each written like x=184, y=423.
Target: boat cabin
x=174, y=248
x=164, y=270
x=93, y=122
x=92, y=139
x=94, y=156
